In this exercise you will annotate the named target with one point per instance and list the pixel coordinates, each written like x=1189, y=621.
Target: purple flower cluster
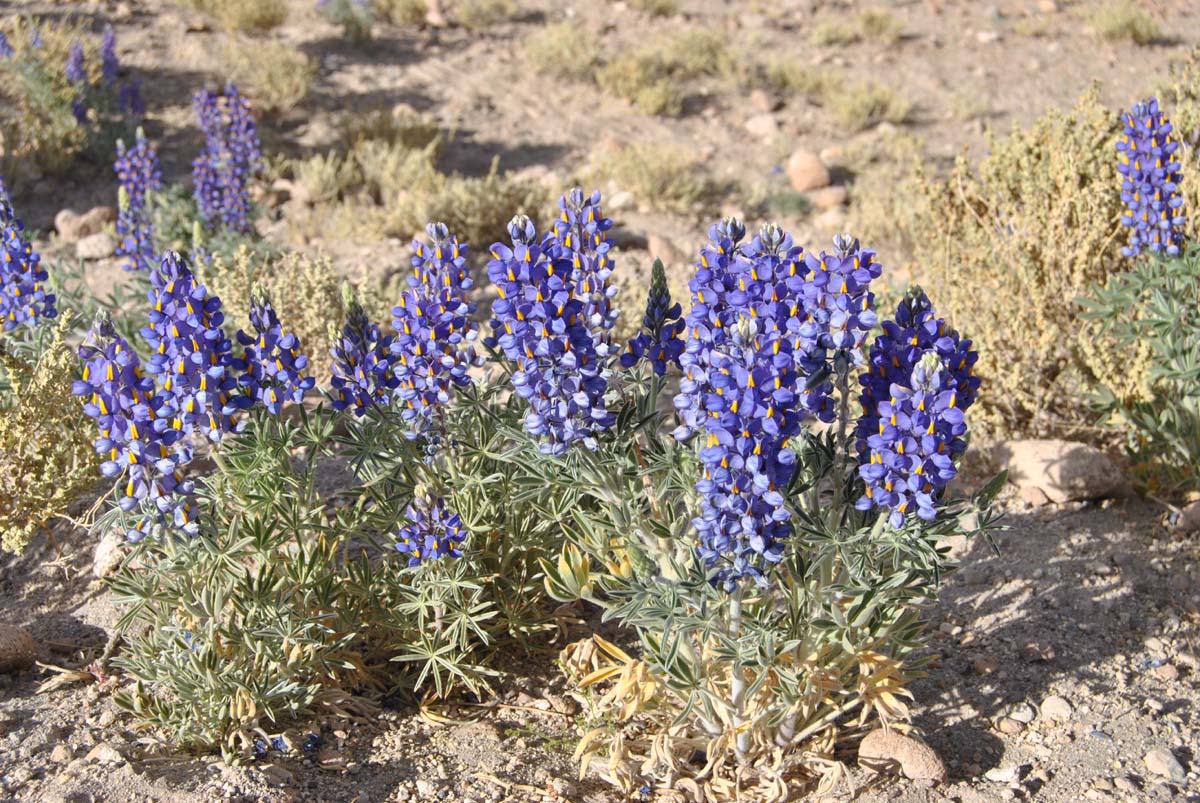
x=1150, y=181
x=918, y=384
x=191, y=356
x=742, y=388
x=136, y=436
x=24, y=297
x=433, y=531
x=363, y=376
x=232, y=155
x=541, y=323
x=6, y=49
x=433, y=347
x=139, y=174
x=109, y=64
x=272, y=367
x=581, y=232
x=76, y=74
x=659, y=341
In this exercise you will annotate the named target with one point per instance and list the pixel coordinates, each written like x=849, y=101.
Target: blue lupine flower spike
x=232, y=156
x=1150, y=174
x=273, y=370
x=138, y=174
x=435, y=329
x=541, y=324
x=363, y=376
x=919, y=382
x=659, y=341
x=432, y=531
x=137, y=442
x=25, y=297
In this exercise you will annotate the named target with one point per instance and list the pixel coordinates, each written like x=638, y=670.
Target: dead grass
x=277, y=75
x=1123, y=20
x=244, y=16
x=664, y=177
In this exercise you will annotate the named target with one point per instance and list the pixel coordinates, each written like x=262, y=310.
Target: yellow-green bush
x=478, y=14
x=1010, y=245
x=37, y=125
x=248, y=16
x=665, y=177
x=650, y=76
x=858, y=106
x=1123, y=20
x=46, y=455
x=402, y=12
x=303, y=289
x=276, y=75
x=564, y=50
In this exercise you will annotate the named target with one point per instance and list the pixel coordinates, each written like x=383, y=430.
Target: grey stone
x=1059, y=471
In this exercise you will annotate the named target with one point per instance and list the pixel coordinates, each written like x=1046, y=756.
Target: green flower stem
x=737, y=682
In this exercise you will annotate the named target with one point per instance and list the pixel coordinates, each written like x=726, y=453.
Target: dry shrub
x=277, y=75
x=564, y=50
x=246, y=16
x=477, y=15
x=651, y=76
x=859, y=106
x=664, y=177
x=402, y=12
x=46, y=455
x=304, y=290
x=1123, y=20
x=37, y=125
x=1010, y=245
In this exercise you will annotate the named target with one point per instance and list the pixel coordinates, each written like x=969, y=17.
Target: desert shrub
x=46, y=454
x=324, y=176
x=869, y=24
x=399, y=126
x=481, y=14
x=246, y=16
x=656, y=8
x=662, y=176
x=306, y=287
x=402, y=12
x=1123, y=20
x=860, y=105
x=278, y=75
x=650, y=76
x=787, y=75
x=354, y=17
x=1010, y=243
x=563, y=49
x=61, y=96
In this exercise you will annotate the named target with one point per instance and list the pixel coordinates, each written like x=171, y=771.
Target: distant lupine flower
x=582, y=233
x=139, y=174
x=191, y=353
x=273, y=369
x=742, y=390
x=434, y=329
x=24, y=296
x=6, y=50
x=129, y=98
x=135, y=439
x=35, y=37
x=539, y=324
x=659, y=341
x=363, y=375
x=433, y=531
x=1150, y=186
x=919, y=382
x=109, y=64
x=76, y=73
x=232, y=155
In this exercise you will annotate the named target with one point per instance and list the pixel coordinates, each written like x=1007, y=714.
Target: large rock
x=17, y=648
x=96, y=246
x=889, y=751
x=111, y=550
x=1059, y=471
x=73, y=227
x=1162, y=762
x=806, y=171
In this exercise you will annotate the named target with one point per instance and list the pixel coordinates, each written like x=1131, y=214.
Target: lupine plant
x=1155, y=305
x=232, y=155
x=138, y=175
x=770, y=539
